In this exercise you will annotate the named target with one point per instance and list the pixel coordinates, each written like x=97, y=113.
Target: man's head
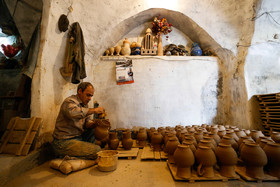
x=85, y=92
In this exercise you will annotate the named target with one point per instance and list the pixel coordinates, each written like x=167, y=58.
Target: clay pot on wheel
x=101, y=130
x=127, y=142
x=272, y=151
x=227, y=159
x=184, y=159
x=206, y=159
x=254, y=159
x=113, y=140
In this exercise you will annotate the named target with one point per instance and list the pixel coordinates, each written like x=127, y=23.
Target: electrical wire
x=269, y=14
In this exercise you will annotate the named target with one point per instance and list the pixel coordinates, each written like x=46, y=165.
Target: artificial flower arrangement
x=161, y=26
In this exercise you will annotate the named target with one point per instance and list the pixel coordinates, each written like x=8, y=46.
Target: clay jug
x=227, y=159
x=157, y=141
x=198, y=136
x=113, y=140
x=206, y=159
x=210, y=139
x=232, y=134
x=126, y=48
x=190, y=144
x=101, y=130
x=171, y=146
x=240, y=133
x=207, y=143
x=241, y=139
x=118, y=50
x=151, y=132
x=255, y=134
x=184, y=160
x=127, y=142
x=263, y=138
x=142, y=137
x=221, y=133
x=254, y=159
x=243, y=143
x=275, y=136
x=191, y=139
x=216, y=137
x=231, y=141
x=272, y=151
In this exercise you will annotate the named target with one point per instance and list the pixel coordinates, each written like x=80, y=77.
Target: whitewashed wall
x=226, y=22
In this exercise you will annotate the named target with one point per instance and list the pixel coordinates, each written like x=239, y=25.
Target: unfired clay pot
x=207, y=143
x=240, y=133
x=127, y=142
x=272, y=151
x=157, y=141
x=241, y=139
x=243, y=143
x=229, y=140
x=171, y=146
x=184, y=160
x=210, y=139
x=263, y=138
x=206, y=159
x=190, y=138
x=113, y=140
x=254, y=159
x=255, y=134
x=263, y=142
x=101, y=130
x=232, y=134
x=275, y=136
x=221, y=133
x=190, y=144
x=142, y=137
x=216, y=137
x=198, y=136
x=227, y=159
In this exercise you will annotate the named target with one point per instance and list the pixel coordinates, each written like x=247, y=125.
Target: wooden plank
x=25, y=123
x=122, y=153
x=157, y=155
x=194, y=177
x=163, y=155
x=147, y=154
x=241, y=170
x=4, y=143
x=28, y=130
x=12, y=148
x=11, y=122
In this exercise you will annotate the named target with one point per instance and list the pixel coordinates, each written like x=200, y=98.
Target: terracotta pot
x=263, y=142
x=232, y=134
x=240, y=133
x=101, y=130
x=206, y=159
x=171, y=146
x=113, y=140
x=207, y=143
x=112, y=50
x=118, y=50
x=221, y=133
x=254, y=159
x=272, y=151
x=184, y=160
x=191, y=139
x=157, y=141
x=210, y=139
x=227, y=159
x=142, y=137
x=198, y=136
x=243, y=143
x=221, y=127
x=229, y=140
x=214, y=130
x=190, y=144
x=241, y=139
x=247, y=131
x=263, y=138
x=216, y=137
x=127, y=142
x=255, y=134
x=275, y=136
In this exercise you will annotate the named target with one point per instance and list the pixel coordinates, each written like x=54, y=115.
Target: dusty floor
x=130, y=173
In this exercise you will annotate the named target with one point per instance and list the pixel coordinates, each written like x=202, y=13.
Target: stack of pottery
x=184, y=160
x=254, y=159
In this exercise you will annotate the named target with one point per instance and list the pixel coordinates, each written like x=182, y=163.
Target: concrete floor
x=130, y=173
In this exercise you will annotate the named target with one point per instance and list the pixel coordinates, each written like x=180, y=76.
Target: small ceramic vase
x=227, y=159
x=206, y=159
x=127, y=142
x=272, y=151
x=184, y=160
x=196, y=50
x=112, y=50
x=118, y=50
x=254, y=159
x=126, y=48
x=113, y=140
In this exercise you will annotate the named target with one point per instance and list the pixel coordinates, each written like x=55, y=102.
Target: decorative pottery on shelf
x=227, y=159
x=254, y=159
x=113, y=141
x=112, y=50
x=127, y=142
x=272, y=151
x=160, y=47
x=206, y=159
x=126, y=48
x=184, y=160
x=196, y=50
x=118, y=50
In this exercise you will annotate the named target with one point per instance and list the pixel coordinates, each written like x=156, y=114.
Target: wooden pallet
x=149, y=154
x=19, y=135
x=194, y=177
x=129, y=154
x=241, y=170
x=134, y=145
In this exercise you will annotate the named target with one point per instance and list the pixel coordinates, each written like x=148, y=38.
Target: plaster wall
x=104, y=23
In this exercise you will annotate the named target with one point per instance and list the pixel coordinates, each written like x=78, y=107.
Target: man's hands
x=98, y=110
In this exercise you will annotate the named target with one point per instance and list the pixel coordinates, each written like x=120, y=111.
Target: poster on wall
x=124, y=72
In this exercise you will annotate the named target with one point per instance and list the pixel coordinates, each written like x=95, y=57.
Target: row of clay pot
x=127, y=141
